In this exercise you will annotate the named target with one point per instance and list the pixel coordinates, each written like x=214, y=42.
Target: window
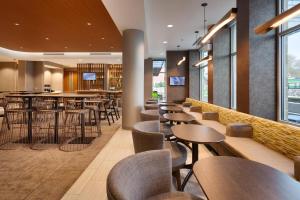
x=204, y=77
x=233, y=66
x=159, y=79
x=289, y=37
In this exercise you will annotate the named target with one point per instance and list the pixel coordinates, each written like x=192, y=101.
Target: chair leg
x=107, y=117
x=176, y=174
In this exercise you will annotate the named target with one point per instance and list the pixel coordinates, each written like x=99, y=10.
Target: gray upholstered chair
x=147, y=136
x=151, y=106
x=149, y=115
x=143, y=176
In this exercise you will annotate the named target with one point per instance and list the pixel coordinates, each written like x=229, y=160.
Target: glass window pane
x=233, y=81
x=204, y=84
x=291, y=77
x=287, y=4
x=159, y=81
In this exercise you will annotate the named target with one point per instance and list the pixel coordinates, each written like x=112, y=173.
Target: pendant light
x=278, y=20
x=182, y=60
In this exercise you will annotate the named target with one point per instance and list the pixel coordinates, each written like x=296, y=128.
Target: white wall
x=54, y=77
x=8, y=76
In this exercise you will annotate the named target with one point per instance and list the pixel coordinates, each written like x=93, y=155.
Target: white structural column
x=133, y=77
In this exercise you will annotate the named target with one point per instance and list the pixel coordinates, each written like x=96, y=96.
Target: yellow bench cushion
x=283, y=138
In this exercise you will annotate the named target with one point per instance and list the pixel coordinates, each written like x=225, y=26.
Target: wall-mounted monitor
x=89, y=76
x=177, y=80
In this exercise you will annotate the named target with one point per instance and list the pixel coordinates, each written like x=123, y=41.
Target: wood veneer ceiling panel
x=64, y=22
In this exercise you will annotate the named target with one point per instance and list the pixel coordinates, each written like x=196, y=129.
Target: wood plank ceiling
x=57, y=26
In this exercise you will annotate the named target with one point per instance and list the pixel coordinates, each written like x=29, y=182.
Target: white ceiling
x=185, y=15
x=151, y=16
x=68, y=59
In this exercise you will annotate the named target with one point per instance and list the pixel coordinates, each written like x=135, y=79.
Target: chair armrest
x=239, y=130
x=297, y=167
x=210, y=116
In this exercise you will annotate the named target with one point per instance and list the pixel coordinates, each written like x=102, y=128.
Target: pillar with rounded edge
x=133, y=77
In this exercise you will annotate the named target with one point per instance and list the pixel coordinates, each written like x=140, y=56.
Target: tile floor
x=92, y=183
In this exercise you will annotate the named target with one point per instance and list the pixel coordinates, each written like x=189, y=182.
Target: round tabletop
x=150, y=112
x=235, y=178
x=197, y=134
x=179, y=117
x=171, y=108
x=167, y=104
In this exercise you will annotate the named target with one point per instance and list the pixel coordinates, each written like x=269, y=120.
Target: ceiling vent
x=53, y=54
x=100, y=54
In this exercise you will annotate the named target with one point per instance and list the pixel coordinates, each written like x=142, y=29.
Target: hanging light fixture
x=230, y=16
x=204, y=60
x=278, y=20
x=182, y=60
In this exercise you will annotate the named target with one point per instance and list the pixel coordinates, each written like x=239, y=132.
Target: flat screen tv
x=89, y=76
x=177, y=80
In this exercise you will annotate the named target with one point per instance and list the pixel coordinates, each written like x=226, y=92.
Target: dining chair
x=144, y=176
x=147, y=136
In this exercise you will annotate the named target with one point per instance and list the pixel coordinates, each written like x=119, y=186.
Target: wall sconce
x=181, y=61
x=231, y=15
x=278, y=20
x=206, y=59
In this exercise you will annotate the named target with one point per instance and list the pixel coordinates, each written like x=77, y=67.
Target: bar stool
x=15, y=129
x=77, y=134
x=44, y=128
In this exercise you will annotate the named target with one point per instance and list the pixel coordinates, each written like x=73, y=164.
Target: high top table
x=56, y=97
x=196, y=134
x=224, y=177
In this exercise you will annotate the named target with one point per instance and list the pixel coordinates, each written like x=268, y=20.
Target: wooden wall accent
x=115, y=76
x=99, y=83
x=177, y=93
x=70, y=80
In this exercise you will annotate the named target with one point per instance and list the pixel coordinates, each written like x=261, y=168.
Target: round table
x=171, y=109
x=179, y=117
x=167, y=104
x=233, y=178
x=196, y=134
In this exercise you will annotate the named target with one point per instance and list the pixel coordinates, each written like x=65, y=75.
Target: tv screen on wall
x=88, y=76
x=177, y=80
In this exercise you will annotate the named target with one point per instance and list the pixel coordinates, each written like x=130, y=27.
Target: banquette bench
x=268, y=142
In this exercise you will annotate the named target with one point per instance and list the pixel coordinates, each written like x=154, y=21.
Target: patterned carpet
x=46, y=174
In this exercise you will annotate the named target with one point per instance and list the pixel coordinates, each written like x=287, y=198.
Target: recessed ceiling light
x=90, y=45
x=102, y=38
x=16, y=24
x=111, y=47
x=21, y=47
x=89, y=23
x=46, y=38
x=66, y=47
x=170, y=25
x=165, y=42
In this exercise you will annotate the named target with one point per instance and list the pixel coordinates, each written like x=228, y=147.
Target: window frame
x=281, y=33
x=233, y=72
